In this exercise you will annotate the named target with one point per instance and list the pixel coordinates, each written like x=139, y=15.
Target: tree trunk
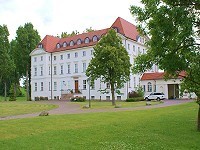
x=113, y=94
x=5, y=91
x=198, y=117
x=27, y=85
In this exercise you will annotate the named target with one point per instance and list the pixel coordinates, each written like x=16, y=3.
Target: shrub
x=136, y=99
x=37, y=98
x=77, y=99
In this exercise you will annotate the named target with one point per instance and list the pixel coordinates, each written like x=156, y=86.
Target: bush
x=37, y=98
x=77, y=99
x=136, y=99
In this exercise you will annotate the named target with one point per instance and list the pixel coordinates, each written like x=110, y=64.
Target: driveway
x=65, y=107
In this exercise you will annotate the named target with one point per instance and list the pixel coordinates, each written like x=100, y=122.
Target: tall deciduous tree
x=173, y=26
x=27, y=40
x=111, y=62
x=6, y=64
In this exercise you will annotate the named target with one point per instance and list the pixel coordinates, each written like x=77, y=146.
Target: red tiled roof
x=124, y=27
x=159, y=75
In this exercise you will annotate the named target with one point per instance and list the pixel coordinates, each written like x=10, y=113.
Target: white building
x=155, y=82
x=58, y=65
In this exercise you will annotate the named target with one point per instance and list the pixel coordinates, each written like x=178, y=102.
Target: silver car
x=157, y=96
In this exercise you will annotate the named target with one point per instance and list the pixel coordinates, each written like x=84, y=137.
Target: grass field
x=9, y=108
x=161, y=128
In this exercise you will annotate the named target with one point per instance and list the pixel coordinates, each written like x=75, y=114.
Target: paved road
x=73, y=108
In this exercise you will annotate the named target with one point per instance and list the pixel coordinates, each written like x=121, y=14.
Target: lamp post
x=88, y=80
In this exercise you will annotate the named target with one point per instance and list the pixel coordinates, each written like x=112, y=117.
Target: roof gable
x=159, y=75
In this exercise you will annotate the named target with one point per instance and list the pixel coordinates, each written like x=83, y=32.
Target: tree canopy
x=173, y=27
x=111, y=62
x=26, y=40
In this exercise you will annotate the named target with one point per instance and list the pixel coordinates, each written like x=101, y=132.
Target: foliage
x=174, y=28
x=77, y=99
x=140, y=129
x=65, y=34
x=26, y=40
x=6, y=63
x=138, y=93
x=135, y=99
x=111, y=62
x=12, y=94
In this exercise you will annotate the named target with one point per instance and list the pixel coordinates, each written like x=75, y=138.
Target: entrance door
x=76, y=86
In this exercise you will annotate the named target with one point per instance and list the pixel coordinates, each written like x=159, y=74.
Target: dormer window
x=40, y=45
x=78, y=41
x=94, y=39
x=71, y=43
x=87, y=40
x=64, y=44
x=58, y=46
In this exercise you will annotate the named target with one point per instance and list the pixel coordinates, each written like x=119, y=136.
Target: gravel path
x=66, y=107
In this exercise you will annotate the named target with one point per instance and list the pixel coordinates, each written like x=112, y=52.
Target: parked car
x=157, y=96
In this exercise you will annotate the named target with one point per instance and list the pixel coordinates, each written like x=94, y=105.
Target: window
x=40, y=45
x=76, y=68
x=61, y=69
x=54, y=57
x=92, y=97
x=128, y=46
x=92, y=52
x=134, y=48
x=84, y=53
x=108, y=85
x=93, y=86
x=107, y=97
x=61, y=57
x=54, y=70
x=134, y=81
x=35, y=70
x=68, y=56
x=154, y=88
x=143, y=51
x=41, y=86
x=78, y=42
x=49, y=70
x=49, y=86
x=149, y=86
x=87, y=40
x=41, y=71
x=119, y=98
x=64, y=44
x=55, y=86
x=94, y=39
x=84, y=67
x=84, y=84
x=129, y=83
x=49, y=58
x=71, y=43
x=139, y=50
x=76, y=54
x=144, y=88
x=35, y=59
x=41, y=58
x=35, y=86
x=68, y=68
x=58, y=46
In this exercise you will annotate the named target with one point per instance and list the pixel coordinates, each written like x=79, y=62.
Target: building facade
x=58, y=65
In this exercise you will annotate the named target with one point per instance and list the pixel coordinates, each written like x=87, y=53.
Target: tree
x=174, y=27
x=65, y=34
x=88, y=30
x=111, y=62
x=6, y=64
x=27, y=40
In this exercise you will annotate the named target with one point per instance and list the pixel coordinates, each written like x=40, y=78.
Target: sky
x=52, y=17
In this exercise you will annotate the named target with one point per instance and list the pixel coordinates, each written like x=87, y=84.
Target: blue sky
x=55, y=16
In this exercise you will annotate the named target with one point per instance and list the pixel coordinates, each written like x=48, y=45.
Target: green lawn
x=8, y=108
x=161, y=128
x=106, y=104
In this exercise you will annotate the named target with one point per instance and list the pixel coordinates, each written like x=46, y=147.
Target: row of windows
x=78, y=42
x=84, y=86
x=76, y=69
x=62, y=57
x=139, y=50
